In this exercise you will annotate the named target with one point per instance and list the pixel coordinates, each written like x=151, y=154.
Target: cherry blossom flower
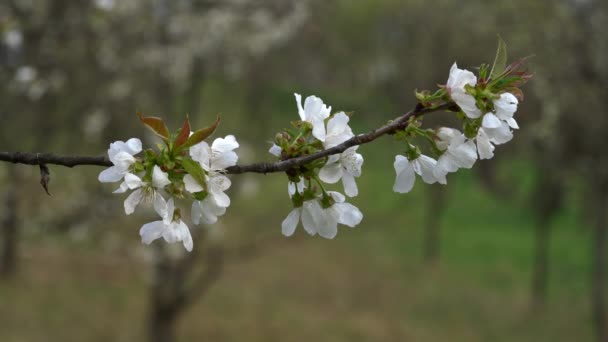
x=458, y=152
x=121, y=155
x=170, y=228
x=213, y=160
x=406, y=171
x=338, y=130
x=323, y=221
x=345, y=166
x=455, y=86
x=144, y=191
x=314, y=112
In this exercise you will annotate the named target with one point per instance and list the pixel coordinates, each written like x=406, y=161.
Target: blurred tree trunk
x=177, y=283
x=436, y=206
x=10, y=226
x=598, y=276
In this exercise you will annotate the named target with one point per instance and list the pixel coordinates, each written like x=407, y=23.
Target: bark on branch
x=395, y=125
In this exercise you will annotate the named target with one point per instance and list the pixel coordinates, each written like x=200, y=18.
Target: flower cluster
x=186, y=167
x=486, y=108
x=319, y=210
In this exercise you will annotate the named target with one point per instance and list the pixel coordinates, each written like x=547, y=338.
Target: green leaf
x=195, y=170
x=500, y=61
x=201, y=134
x=183, y=135
x=157, y=125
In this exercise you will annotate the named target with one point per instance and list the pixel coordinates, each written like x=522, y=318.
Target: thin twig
x=281, y=166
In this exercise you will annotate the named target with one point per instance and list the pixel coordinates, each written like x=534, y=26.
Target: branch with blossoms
x=317, y=150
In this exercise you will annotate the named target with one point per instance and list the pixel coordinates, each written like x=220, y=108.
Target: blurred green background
x=512, y=250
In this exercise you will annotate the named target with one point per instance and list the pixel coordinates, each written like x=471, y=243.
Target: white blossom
x=314, y=112
x=456, y=88
x=121, y=155
x=323, y=221
x=338, y=130
x=144, y=191
x=172, y=229
x=213, y=160
x=406, y=169
x=345, y=166
x=458, y=152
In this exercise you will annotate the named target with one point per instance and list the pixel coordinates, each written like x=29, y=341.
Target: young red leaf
x=183, y=135
x=157, y=125
x=201, y=134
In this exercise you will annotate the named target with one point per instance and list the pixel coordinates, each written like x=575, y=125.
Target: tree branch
x=281, y=166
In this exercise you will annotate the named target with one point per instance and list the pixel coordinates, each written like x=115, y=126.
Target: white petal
x=336, y=196
x=425, y=167
x=160, y=179
x=201, y=152
x=328, y=222
x=352, y=161
x=337, y=124
x=512, y=123
x=275, y=150
x=288, y=226
x=132, y=181
x=122, y=189
x=160, y=205
x=192, y=185
x=484, y=147
x=506, y=106
x=467, y=103
x=222, y=160
x=132, y=201
x=446, y=163
x=311, y=210
x=226, y=144
x=312, y=108
x=300, y=109
x=185, y=236
x=464, y=155
x=110, y=175
x=459, y=78
x=349, y=214
x=211, y=210
x=331, y=173
x=291, y=187
x=122, y=161
x=404, y=182
x=151, y=231
x=133, y=146
x=350, y=185
x=171, y=233
x=500, y=135
x=196, y=212
x=318, y=129
x=168, y=217
x=491, y=121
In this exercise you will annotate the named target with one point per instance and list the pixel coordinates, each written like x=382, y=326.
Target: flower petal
x=151, y=231
x=300, y=109
x=110, y=175
x=132, y=201
x=226, y=144
x=506, y=106
x=491, y=121
x=424, y=167
x=350, y=185
x=404, y=182
x=349, y=214
x=160, y=179
x=185, y=236
x=484, y=146
x=289, y=224
x=331, y=173
x=201, y=152
x=192, y=186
